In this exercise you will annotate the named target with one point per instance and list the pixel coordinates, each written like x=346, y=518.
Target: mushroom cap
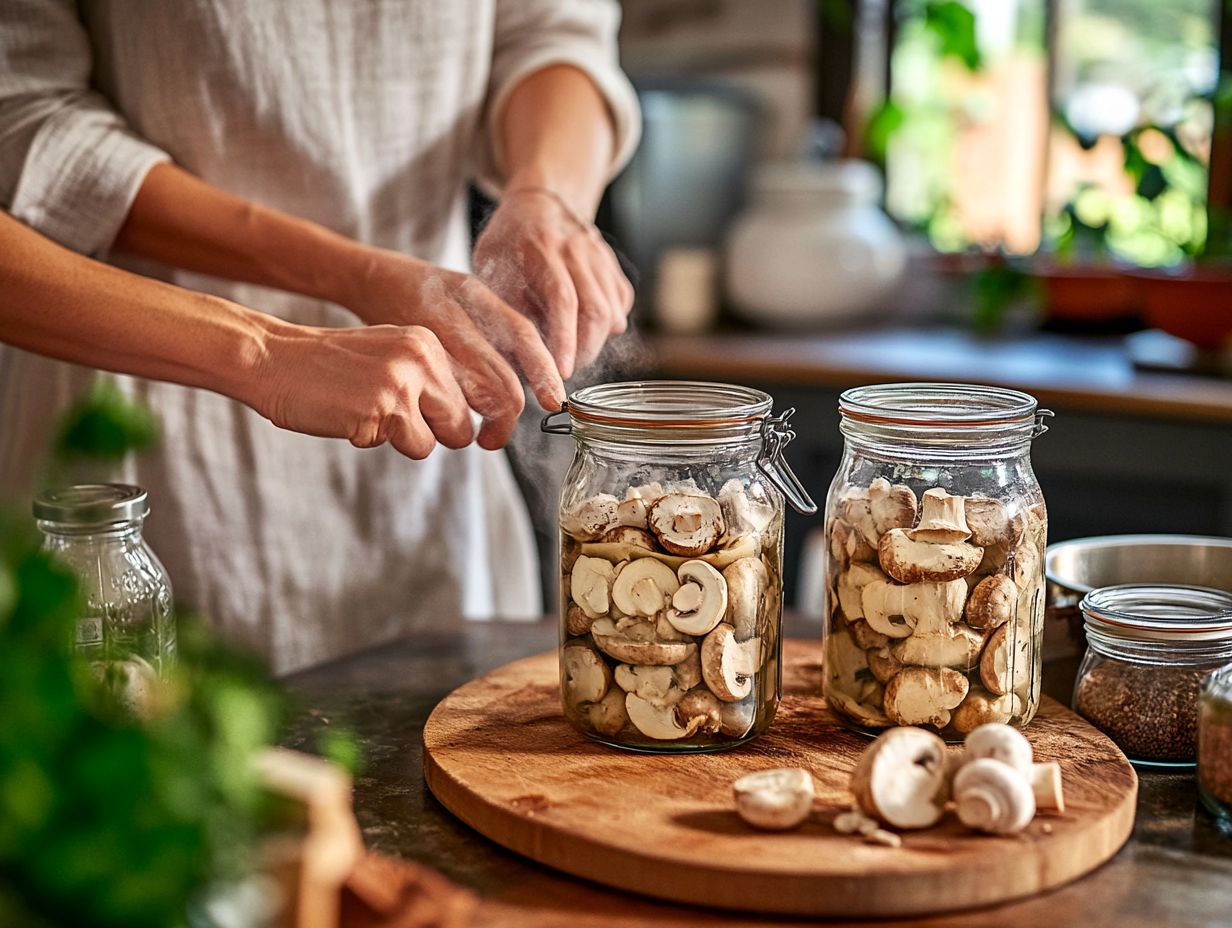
x=883, y=664
x=1006, y=666
x=1024, y=561
x=608, y=716
x=891, y=506
x=628, y=650
x=658, y=722
x=747, y=580
x=991, y=523
x=775, y=800
x=994, y=797
x=590, y=584
x=1000, y=742
x=855, y=508
x=900, y=778
x=644, y=587
x=653, y=682
x=866, y=636
x=744, y=511
x=910, y=560
x=728, y=665
x=686, y=525
x=898, y=610
x=992, y=602
x=632, y=512
x=924, y=695
x=577, y=622
x=981, y=707
x=736, y=718
x=943, y=518
x=591, y=517
x=585, y=676
x=700, y=601
x=700, y=708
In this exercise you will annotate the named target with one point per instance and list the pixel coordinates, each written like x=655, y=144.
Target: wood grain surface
x=499, y=755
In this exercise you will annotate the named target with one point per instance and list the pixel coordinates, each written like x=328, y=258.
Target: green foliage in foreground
x=106, y=819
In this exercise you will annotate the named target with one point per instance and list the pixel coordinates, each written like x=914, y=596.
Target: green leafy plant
x=108, y=819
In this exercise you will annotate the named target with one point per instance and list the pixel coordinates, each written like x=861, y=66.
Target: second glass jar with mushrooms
x=671, y=546
x=936, y=530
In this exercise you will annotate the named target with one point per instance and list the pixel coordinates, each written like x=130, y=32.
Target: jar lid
x=1159, y=612
x=92, y=504
x=930, y=404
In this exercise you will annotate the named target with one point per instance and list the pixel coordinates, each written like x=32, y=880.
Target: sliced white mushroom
x=851, y=584
x=1000, y=742
x=908, y=560
x=992, y=602
x=688, y=673
x=746, y=580
x=924, y=695
x=591, y=517
x=958, y=646
x=775, y=800
x=1046, y=785
x=654, y=683
x=608, y=716
x=898, y=610
x=1024, y=563
x=646, y=491
x=658, y=722
x=981, y=707
x=644, y=587
x=866, y=636
x=627, y=535
x=943, y=519
x=585, y=675
x=992, y=796
x=901, y=779
x=570, y=548
x=1006, y=664
x=736, y=718
x=868, y=715
x=883, y=664
x=728, y=665
x=991, y=523
x=747, y=546
x=700, y=710
x=686, y=525
x=891, y=505
x=743, y=512
x=700, y=601
x=666, y=631
x=855, y=509
x=612, y=642
x=632, y=512
x=590, y=585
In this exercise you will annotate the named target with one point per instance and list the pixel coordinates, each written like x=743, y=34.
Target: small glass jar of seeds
x=1149, y=648
x=1215, y=745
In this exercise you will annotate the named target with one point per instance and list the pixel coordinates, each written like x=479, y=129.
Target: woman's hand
x=369, y=385
x=480, y=335
x=546, y=262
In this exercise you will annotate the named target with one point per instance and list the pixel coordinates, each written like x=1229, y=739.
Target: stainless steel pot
x=1073, y=568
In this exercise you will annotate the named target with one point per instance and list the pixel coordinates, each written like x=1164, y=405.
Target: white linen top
x=368, y=118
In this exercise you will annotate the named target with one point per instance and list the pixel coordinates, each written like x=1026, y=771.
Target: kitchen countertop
x=1176, y=870
x=1068, y=371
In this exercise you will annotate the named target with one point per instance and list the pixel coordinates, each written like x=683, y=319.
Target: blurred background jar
x=671, y=547
x=127, y=627
x=1149, y=648
x=934, y=589
x=813, y=246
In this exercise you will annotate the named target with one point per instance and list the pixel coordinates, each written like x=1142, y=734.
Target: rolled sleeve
x=69, y=166
x=535, y=34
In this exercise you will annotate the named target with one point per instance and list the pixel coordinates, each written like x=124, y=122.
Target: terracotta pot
x=1195, y=304
x=1085, y=293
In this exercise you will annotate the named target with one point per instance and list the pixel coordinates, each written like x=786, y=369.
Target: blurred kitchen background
x=1033, y=193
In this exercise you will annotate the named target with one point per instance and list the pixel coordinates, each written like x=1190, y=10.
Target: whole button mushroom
x=992, y=796
x=1000, y=742
x=775, y=800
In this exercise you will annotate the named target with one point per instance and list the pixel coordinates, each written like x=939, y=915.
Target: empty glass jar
x=671, y=521
x=127, y=630
x=936, y=529
x=1149, y=648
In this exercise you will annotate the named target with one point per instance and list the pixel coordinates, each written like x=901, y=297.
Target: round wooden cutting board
x=499, y=755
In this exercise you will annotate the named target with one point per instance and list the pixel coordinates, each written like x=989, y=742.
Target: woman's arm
x=368, y=385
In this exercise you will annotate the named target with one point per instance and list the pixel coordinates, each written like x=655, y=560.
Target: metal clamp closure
x=557, y=428
x=1040, y=427
x=777, y=434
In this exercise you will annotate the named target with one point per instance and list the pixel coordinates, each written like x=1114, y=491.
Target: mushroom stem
x=1046, y=785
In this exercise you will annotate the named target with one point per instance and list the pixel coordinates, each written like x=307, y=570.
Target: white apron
x=366, y=117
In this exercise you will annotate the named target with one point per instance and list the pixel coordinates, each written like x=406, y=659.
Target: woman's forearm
x=556, y=132
x=57, y=303
x=180, y=220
